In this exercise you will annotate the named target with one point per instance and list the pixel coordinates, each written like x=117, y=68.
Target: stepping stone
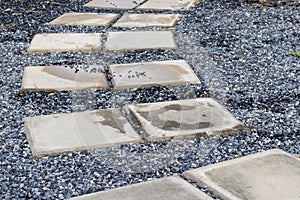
x=147, y=74
x=65, y=42
x=170, y=188
x=141, y=40
x=59, y=78
x=59, y=133
x=86, y=19
x=271, y=175
x=114, y=4
x=145, y=20
x=184, y=119
x=168, y=4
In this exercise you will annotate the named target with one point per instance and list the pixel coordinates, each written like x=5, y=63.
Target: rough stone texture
x=184, y=119
x=270, y=175
x=59, y=133
x=114, y=4
x=140, y=40
x=168, y=4
x=170, y=188
x=147, y=74
x=86, y=19
x=144, y=20
x=65, y=42
x=47, y=78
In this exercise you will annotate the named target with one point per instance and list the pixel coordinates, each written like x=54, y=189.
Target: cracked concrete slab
x=168, y=5
x=114, y=4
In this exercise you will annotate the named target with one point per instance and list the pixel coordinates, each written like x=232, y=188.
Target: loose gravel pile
x=239, y=52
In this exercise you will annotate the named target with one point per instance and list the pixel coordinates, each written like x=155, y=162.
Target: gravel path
x=239, y=52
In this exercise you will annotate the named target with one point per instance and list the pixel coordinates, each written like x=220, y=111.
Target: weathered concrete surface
x=147, y=74
x=168, y=4
x=59, y=78
x=114, y=4
x=59, y=133
x=271, y=175
x=140, y=40
x=86, y=19
x=184, y=119
x=170, y=188
x=145, y=20
x=65, y=42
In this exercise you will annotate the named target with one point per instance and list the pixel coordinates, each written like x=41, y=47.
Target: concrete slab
x=184, y=119
x=170, y=188
x=145, y=20
x=147, y=74
x=271, y=175
x=59, y=133
x=114, y=4
x=140, y=40
x=65, y=42
x=86, y=19
x=59, y=78
x=168, y=5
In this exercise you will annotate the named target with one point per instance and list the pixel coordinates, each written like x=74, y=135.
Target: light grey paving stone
x=147, y=74
x=114, y=4
x=140, y=40
x=65, y=42
x=59, y=78
x=271, y=175
x=145, y=20
x=59, y=133
x=168, y=4
x=86, y=19
x=170, y=188
x=184, y=119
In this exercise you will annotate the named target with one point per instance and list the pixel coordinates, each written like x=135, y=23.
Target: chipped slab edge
x=202, y=179
x=188, y=7
x=40, y=154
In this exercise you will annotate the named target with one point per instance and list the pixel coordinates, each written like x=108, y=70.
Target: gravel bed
x=238, y=51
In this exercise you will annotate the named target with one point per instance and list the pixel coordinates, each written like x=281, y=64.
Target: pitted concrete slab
x=184, y=119
x=145, y=20
x=65, y=42
x=114, y=4
x=168, y=4
x=271, y=175
x=59, y=78
x=59, y=133
x=147, y=74
x=140, y=40
x=86, y=19
x=170, y=188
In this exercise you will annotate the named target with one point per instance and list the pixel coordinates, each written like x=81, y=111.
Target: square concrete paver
x=65, y=42
x=170, y=188
x=140, y=40
x=271, y=175
x=59, y=133
x=168, y=4
x=184, y=119
x=147, y=74
x=85, y=19
x=145, y=20
x=114, y=4
x=58, y=78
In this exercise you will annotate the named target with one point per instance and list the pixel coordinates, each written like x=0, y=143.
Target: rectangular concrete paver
x=271, y=175
x=184, y=119
x=168, y=4
x=114, y=4
x=170, y=188
x=145, y=20
x=86, y=19
x=65, y=42
x=147, y=74
x=140, y=40
x=59, y=133
x=58, y=78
